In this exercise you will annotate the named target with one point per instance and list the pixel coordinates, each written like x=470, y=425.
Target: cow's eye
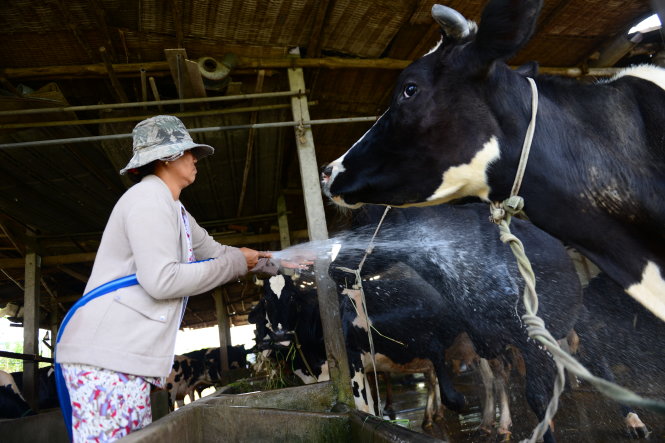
x=409, y=90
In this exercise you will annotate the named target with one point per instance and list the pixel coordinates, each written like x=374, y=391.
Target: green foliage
x=10, y=364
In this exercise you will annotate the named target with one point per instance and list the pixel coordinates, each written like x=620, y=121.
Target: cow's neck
x=511, y=107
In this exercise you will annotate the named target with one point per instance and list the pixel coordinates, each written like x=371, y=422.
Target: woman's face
x=184, y=168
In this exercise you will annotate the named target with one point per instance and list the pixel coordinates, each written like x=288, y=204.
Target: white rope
x=359, y=286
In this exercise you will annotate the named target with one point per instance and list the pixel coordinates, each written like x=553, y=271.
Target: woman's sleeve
x=153, y=231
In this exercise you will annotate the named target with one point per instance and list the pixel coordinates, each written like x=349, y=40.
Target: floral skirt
x=107, y=405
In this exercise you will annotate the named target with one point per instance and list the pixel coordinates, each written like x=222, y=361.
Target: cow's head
x=281, y=306
x=441, y=132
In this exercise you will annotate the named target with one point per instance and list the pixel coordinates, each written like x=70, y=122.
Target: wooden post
x=144, y=87
x=54, y=320
x=155, y=91
x=316, y=226
x=31, y=322
x=117, y=87
x=283, y=222
x=224, y=328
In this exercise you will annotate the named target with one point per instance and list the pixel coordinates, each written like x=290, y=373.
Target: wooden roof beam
x=315, y=44
x=161, y=68
x=100, y=16
x=110, y=71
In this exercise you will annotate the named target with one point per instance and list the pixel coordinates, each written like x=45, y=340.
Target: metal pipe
x=142, y=117
x=152, y=103
x=62, y=141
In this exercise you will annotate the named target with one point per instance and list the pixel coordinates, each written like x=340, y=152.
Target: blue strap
x=61, y=387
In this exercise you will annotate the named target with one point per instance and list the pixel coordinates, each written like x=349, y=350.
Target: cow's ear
x=505, y=26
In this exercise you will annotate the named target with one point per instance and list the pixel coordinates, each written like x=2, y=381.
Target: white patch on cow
x=268, y=324
x=651, y=73
x=7, y=380
x=651, y=290
x=360, y=380
x=307, y=379
x=277, y=283
x=469, y=179
x=632, y=420
x=356, y=298
x=325, y=372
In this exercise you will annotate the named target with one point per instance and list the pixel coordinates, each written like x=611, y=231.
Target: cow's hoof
x=457, y=403
x=427, y=425
x=503, y=436
x=390, y=413
x=485, y=430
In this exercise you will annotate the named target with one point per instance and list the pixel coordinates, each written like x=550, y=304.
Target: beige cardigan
x=133, y=329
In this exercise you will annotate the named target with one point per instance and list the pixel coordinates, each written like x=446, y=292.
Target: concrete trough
x=300, y=414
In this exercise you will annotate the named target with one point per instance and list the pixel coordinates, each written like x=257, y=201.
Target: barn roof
x=75, y=55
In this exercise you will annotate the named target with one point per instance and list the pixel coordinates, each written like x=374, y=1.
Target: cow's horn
x=452, y=22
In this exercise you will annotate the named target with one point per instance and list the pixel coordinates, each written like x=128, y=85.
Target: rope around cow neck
x=501, y=214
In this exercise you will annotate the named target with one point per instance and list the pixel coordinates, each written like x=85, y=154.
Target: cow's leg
x=388, y=408
x=489, y=414
x=449, y=395
x=501, y=377
x=439, y=410
x=360, y=386
x=596, y=361
x=430, y=405
x=540, y=375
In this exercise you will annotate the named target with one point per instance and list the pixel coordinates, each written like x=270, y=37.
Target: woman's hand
x=252, y=256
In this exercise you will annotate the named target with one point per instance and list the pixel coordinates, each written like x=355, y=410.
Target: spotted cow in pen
x=289, y=314
x=47, y=395
x=455, y=128
x=12, y=403
x=197, y=370
x=478, y=285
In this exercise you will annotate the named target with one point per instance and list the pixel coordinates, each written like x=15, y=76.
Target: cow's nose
x=327, y=172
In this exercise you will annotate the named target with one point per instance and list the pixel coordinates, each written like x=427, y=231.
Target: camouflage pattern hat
x=160, y=138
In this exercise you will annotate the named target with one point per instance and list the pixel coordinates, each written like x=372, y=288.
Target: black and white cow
x=12, y=403
x=478, y=286
x=47, y=395
x=289, y=310
x=457, y=122
x=197, y=370
x=288, y=315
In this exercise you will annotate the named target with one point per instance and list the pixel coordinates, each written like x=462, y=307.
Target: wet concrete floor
x=584, y=415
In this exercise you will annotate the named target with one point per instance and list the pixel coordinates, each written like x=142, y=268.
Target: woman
x=121, y=338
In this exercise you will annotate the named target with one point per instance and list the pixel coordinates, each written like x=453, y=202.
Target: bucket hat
x=162, y=137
